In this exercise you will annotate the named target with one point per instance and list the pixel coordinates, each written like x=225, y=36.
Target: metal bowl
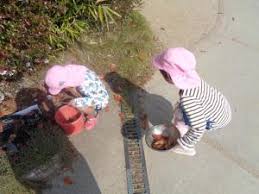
x=163, y=130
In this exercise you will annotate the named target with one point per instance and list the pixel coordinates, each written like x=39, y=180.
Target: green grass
x=129, y=46
x=8, y=182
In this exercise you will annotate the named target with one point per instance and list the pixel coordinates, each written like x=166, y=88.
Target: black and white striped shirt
x=204, y=108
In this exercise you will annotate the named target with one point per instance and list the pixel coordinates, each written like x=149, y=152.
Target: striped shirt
x=204, y=108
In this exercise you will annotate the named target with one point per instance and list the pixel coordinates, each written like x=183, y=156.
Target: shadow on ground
x=145, y=106
x=37, y=151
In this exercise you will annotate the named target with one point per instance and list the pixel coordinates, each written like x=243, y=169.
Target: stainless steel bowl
x=169, y=132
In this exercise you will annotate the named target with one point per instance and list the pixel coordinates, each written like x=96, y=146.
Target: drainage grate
x=134, y=155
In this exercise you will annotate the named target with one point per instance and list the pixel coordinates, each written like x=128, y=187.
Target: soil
x=161, y=143
x=20, y=93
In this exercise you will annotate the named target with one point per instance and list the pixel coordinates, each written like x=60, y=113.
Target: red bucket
x=70, y=119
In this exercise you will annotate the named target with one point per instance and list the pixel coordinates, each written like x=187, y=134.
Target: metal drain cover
x=137, y=179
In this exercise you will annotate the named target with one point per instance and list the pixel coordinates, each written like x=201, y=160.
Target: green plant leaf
x=110, y=15
x=113, y=12
x=106, y=17
x=92, y=13
x=100, y=14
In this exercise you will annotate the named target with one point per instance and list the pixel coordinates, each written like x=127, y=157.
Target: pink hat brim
x=187, y=81
x=69, y=75
x=181, y=80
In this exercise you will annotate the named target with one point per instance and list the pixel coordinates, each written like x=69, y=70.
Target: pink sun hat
x=59, y=77
x=180, y=64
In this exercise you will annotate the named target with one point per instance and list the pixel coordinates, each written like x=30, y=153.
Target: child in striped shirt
x=201, y=107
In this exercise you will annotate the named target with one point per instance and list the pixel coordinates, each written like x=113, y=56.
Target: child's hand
x=88, y=110
x=113, y=67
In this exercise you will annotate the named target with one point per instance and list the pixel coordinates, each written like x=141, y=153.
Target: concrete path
x=224, y=36
x=101, y=166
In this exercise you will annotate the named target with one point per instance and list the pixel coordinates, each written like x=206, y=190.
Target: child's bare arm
x=73, y=92
x=86, y=110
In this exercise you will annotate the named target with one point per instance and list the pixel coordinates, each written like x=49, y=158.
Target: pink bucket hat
x=59, y=77
x=180, y=64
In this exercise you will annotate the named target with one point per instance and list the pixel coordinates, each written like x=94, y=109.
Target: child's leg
x=178, y=121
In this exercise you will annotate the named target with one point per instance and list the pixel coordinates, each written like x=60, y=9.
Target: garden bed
x=34, y=31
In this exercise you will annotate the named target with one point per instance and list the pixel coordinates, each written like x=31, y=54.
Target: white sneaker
x=179, y=150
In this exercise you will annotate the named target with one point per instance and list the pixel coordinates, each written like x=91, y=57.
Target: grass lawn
x=130, y=46
x=8, y=182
